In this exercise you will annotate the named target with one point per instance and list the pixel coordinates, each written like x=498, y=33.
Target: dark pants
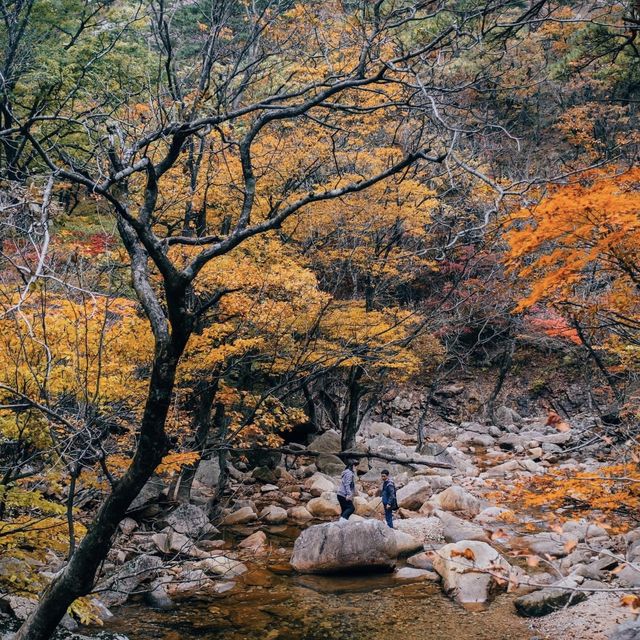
x=346, y=506
x=388, y=516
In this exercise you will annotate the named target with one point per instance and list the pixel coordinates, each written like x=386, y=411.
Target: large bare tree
x=244, y=72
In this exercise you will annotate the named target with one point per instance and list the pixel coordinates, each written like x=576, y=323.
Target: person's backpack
x=393, y=501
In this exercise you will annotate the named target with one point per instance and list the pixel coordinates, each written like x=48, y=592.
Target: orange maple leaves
x=586, y=230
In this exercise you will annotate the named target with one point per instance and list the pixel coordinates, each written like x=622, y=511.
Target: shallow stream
x=272, y=602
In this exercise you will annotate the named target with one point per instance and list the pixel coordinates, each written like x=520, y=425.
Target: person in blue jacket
x=389, y=501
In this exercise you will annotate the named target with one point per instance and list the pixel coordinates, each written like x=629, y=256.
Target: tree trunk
x=311, y=407
x=608, y=376
x=351, y=422
x=505, y=365
x=201, y=426
x=221, y=425
x=78, y=577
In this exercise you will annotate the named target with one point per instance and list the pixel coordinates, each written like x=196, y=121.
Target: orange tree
x=578, y=251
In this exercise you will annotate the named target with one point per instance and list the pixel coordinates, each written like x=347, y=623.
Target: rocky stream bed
x=275, y=564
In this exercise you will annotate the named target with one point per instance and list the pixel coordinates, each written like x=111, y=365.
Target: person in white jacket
x=346, y=491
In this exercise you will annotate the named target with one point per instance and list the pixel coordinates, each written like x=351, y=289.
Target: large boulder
x=583, y=530
x=373, y=429
x=462, y=462
x=365, y=507
x=299, y=514
x=241, y=516
x=414, y=495
x=117, y=589
x=152, y=491
x=456, y=529
x=328, y=442
x=458, y=499
x=188, y=520
x=342, y=546
x=273, y=515
x=423, y=529
x=505, y=417
x=476, y=439
x=466, y=569
x=407, y=544
x=384, y=444
x=207, y=473
x=323, y=507
x=318, y=483
x=329, y=464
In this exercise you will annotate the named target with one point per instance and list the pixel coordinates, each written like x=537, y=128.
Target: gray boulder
x=629, y=577
x=456, y=529
x=414, y=495
x=170, y=542
x=505, y=417
x=158, y=597
x=117, y=589
x=422, y=560
x=466, y=568
x=189, y=520
x=329, y=464
x=543, y=544
x=373, y=429
x=456, y=498
x=208, y=472
x=328, y=442
x=150, y=493
x=560, y=594
x=339, y=546
x=628, y=631
x=583, y=530
x=476, y=439
x=407, y=544
x=423, y=529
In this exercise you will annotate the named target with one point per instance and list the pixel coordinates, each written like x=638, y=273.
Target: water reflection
x=270, y=606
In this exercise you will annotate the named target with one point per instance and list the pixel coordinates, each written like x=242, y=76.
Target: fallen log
x=343, y=455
